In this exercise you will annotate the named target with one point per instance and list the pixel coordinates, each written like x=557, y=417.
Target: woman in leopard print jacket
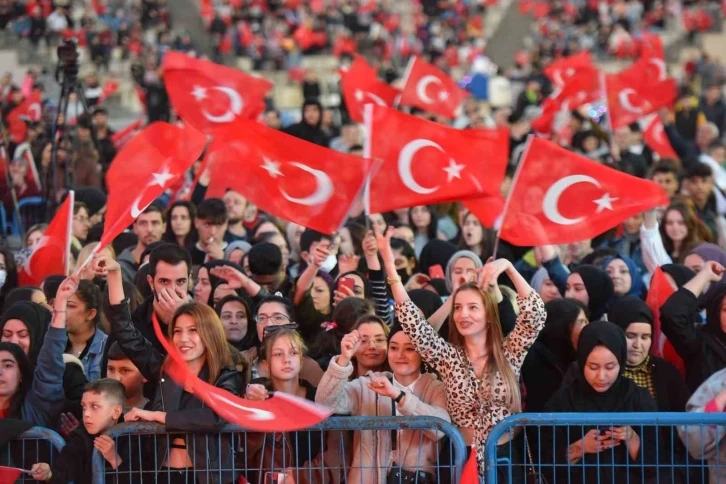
x=478, y=365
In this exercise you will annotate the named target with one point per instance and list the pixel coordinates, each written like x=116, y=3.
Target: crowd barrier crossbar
x=239, y=456
x=37, y=444
x=674, y=448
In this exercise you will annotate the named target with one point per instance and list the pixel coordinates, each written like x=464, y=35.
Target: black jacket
x=184, y=412
x=542, y=375
x=702, y=353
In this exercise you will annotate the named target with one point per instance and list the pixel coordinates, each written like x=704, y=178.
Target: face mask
x=330, y=262
x=3, y=276
x=403, y=275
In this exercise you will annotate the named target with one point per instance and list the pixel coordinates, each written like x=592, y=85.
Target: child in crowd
x=102, y=404
x=123, y=370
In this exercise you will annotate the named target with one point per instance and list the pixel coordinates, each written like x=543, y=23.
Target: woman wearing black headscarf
x=612, y=453
x=591, y=286
x=26, y=323
x=552, y=354
x=702, y=347
x=662, y=380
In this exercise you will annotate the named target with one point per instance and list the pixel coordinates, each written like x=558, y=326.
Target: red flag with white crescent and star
x=209, y=95
x=360, y=85
x=285, y=176
x=575, y=91
x=559, y=197
x=146, y=166
x=425, y=163
x=564, y=69
x=633, y=94
x=30, y=109
x=52, y=253
x=655, y=137
x=429, y=88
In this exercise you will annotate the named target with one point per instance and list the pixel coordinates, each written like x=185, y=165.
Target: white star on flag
x=199, y=93
x=272, y=167
x=443, y=95
x=163, y=177
x=358, y=95
x=453, y=170
x=604, y=202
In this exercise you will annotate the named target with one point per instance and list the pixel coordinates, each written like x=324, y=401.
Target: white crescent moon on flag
x=323, y=187
x=661, y=65
x=135, y=209
x=235, y=106
x=552, y=198
x=376, y=99
x=624, y=98
x=405, y=158
x=423, y=84
x=257, y=414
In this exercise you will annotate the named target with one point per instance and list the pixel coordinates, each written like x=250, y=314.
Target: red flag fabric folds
x=633, y=93
x=360, y=86
x=286, y=176
x=655, y=137
x=426, y=163
x=209, y=95
x=10, y=474
x=280, y=413
x=429, y=88
x=658, y=293
x=566, y=68
x=560, y=197
x=146, y=166
x=52, y=253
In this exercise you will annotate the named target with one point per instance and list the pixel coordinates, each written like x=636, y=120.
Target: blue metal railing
x=142, y=440
x=665, y=456
x=36, y=444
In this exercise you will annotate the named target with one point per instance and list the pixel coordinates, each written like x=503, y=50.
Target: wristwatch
x=399, y=397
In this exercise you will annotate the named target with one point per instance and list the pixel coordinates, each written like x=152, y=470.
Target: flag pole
x=367, y=131
x=512, y=187
x=609, y=120
x=69, y=230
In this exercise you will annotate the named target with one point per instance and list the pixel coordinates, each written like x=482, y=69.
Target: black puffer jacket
x=184, y=412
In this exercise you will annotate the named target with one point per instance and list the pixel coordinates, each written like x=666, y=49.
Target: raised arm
x=532, y=313
x=306, y=279
x=46, y=393
x=432, y=348
x=651, y=243
x=377, y=279
x=134, y=345
x=334, y=390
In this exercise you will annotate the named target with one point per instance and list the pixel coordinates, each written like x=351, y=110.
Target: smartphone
x=604, y=430
x=436, y=272
x=348, y=282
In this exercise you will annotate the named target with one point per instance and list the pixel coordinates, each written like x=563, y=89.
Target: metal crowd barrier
x=675, y=448
x=322, y=454
x=37, y=444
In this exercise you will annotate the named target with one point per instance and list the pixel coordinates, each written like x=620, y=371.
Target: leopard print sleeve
x=531, y=320
x=433, y=348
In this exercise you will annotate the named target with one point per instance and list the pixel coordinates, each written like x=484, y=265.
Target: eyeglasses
x=376, y=342
x=277, y=318
x=273, y=329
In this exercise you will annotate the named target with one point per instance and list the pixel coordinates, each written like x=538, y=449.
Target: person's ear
x=151, y=282
x=117, y=411
x=305, y=255
x=92, y=314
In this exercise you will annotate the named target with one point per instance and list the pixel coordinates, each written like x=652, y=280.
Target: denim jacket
x=92, y=359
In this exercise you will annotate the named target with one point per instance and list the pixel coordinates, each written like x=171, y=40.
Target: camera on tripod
x=68, y=60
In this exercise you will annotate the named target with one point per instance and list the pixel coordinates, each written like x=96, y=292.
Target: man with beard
x=149, y=228
x=236, y=206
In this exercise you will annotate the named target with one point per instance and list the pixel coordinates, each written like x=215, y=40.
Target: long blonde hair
x=211, y=332
x=497, y=361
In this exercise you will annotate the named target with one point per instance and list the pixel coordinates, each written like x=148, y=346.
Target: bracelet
x=392, y=280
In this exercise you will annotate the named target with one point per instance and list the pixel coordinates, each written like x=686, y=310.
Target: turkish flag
x=566, y=68
x=10, y=474
x=576, y=91
x=124, y=135
x=280, y=413
x=487, y=209
x=427, y=87
x=52, y=253
x=655, y=137
x=209, y=95
x=560, y=197
x=632, y=94
x=651, y=45
x=658, y=293
x=286, y=176
x=146, y=166
x=470, y=473
x=360, y=86
x=425, y=163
